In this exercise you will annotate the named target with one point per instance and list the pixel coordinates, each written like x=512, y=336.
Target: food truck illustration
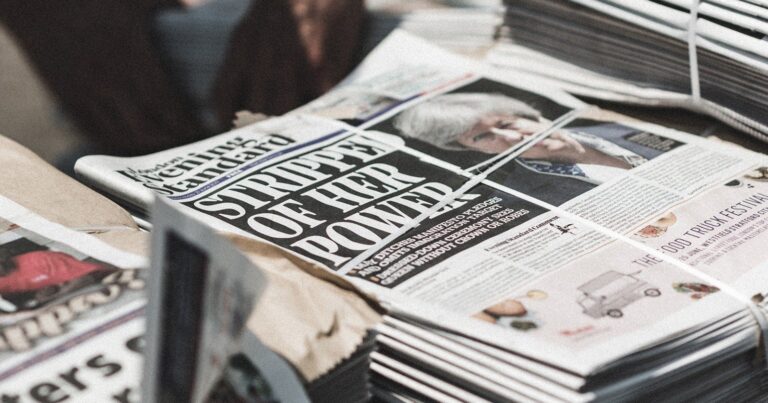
x=608, y=293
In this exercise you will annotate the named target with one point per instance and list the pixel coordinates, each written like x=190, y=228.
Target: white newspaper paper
x=202, y=293
x=486, y=206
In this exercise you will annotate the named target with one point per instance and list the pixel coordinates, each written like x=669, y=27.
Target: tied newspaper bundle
x=709, y=55
x=73, y=304
x=525, y=245
x=468, y=27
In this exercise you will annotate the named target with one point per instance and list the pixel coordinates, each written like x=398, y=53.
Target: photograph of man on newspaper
x=579, y=157
x=475, y=122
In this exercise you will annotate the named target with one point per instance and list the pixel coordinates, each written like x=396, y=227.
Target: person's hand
x=330, y=31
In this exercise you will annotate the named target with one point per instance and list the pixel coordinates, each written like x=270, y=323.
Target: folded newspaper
x=72, y=305
x=527, y=246
x=217, y=318
x=709, y=55
x=71, y=313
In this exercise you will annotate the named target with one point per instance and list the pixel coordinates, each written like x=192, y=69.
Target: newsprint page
x=487, y=205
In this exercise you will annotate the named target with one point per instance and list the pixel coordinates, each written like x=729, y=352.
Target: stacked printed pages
x=640, y=51
x=526, y=246
x=468, y=29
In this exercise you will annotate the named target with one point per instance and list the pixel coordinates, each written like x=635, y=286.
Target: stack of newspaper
x=526, y=245
x=467, y=28
x=649, y=52
x=72, y=305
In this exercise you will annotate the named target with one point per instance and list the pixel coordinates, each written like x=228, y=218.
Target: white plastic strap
x=693, y=58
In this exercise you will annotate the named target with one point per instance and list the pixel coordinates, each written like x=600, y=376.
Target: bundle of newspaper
x=710, y=55
x=467, y=27
x=71, y=312
x=526, y=246
x=205, y=296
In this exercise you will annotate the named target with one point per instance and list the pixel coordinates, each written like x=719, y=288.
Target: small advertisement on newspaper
x=723, y=231
x=613, y=291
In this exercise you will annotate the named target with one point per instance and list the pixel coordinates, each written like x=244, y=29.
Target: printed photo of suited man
x=567, y=163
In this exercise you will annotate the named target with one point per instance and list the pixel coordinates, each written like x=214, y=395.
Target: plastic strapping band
x=693, y=58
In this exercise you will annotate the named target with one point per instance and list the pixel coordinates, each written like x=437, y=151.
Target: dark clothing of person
x=99, y=59
x=552, y=189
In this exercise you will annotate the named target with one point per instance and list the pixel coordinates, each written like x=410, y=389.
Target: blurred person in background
x=143, y=75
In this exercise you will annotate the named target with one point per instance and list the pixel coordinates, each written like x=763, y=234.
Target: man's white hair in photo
x=442, y=119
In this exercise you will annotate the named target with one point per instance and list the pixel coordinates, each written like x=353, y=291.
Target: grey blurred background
x=28, y=114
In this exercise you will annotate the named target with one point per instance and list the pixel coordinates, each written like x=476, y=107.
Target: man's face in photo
x=496, y=133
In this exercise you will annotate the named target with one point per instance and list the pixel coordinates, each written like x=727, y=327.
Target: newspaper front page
x=483, y=204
